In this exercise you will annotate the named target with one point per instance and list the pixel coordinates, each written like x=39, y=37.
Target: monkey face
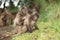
x=24, y=10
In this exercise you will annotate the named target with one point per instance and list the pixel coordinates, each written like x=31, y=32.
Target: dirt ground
x=6, y=33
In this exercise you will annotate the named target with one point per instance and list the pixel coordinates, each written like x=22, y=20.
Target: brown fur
x=34, y=17
x=19, y=16
x=18, y=21
x=31, y=18
x=20, y=29
x=7, y=19
x=1, y=22
x=27, y=23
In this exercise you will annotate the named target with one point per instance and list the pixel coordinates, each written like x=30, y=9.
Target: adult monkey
x=34, y=16
x=19, y=20
x=33, y=12
x=31, y=19
x=7, y=19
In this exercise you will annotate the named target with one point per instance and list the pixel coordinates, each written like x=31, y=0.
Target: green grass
x=48, y=24
x=47, y=31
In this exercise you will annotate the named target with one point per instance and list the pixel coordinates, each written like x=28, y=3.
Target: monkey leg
x=4, y=22
x=24, y=29
x=18, y=30
x=33, y=25
x=29, y=29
